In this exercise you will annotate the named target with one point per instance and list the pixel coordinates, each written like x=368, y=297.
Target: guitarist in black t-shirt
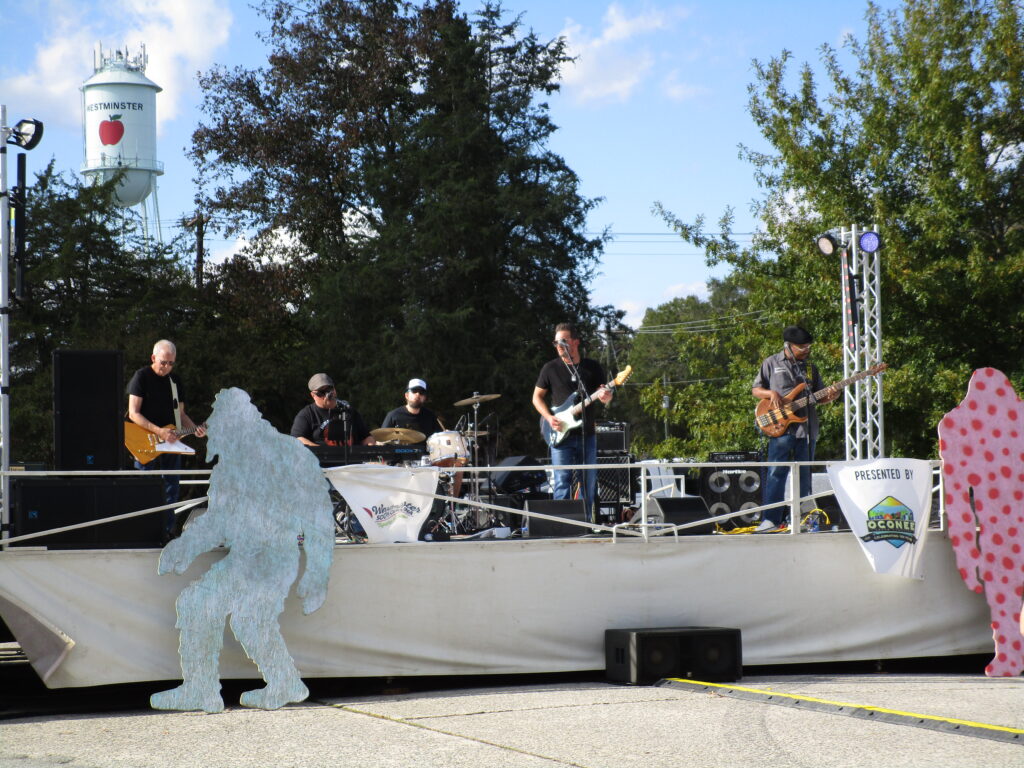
x=570, y=378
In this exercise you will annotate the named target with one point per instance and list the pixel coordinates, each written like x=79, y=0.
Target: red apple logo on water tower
x=112, y=130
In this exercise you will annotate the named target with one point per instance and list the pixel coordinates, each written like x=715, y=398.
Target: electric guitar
x=775, y=421
x=145, y=446
x=569, y=413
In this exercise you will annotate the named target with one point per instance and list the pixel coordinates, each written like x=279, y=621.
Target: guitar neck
x=578, y=408
x=802, y=401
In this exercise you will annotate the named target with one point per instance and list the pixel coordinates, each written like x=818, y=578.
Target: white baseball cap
x=416, y=383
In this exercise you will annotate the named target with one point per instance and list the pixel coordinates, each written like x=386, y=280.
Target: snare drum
x=448, y=449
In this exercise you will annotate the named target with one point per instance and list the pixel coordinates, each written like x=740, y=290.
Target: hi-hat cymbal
x=477, y=399
x=478, y=433
x=397, y=435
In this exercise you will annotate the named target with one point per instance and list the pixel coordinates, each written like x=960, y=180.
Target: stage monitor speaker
x=42, y=503
x=644, y=656
x=683, y=509
x=731, y=489
x=88, y=409
x=513, y=482
x=570, y=509
x=612, y=437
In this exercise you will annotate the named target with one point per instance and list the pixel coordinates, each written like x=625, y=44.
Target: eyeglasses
x=168, y=363
x=418, y=390
x=323, y=392
x=801, y=347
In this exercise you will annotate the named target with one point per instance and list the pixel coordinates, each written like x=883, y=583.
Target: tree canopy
x=924, y=140
x=394, y=155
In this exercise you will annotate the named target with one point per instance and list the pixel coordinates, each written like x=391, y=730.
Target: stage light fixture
x=869, y=242
x=26, y=134
x=828, y=245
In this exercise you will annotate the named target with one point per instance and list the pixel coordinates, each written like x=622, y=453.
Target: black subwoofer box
x=644, y=656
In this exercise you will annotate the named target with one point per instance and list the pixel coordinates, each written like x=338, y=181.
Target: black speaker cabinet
x=684, y=509
x=616, y=484
x=733, y=488
x=514, y=482
x=570, y=509
x=88, y=409
x=612, y=437
x=42, y=503
x=644, y=656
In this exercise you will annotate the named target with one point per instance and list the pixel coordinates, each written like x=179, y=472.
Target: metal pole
x=5, y=368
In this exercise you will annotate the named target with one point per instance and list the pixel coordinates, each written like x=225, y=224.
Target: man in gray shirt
x=779, y=374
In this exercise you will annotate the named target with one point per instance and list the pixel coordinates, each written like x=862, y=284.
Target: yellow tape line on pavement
x=895, y=715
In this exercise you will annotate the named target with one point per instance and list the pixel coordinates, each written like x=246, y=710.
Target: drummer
x=414, y=414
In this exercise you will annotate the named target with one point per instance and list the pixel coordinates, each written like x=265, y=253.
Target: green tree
x=925, y=140
x=402, y=147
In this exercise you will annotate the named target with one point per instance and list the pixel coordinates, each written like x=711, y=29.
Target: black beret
x=794, y=334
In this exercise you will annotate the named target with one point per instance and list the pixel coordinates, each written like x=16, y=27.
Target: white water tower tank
x=119, y=106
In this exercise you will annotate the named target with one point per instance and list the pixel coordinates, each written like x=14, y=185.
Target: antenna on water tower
x=119, y=125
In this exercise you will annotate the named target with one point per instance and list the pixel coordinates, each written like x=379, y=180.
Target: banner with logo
x=389, y=502
x=887, y=503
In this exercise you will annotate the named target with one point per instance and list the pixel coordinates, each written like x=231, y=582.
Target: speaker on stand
x=732, y=488
x=88, y=409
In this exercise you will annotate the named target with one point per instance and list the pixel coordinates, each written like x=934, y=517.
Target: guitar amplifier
x=612, y=437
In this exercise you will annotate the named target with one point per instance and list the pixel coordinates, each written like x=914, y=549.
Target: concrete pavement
x=572, y=723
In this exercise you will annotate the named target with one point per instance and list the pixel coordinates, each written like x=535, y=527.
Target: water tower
x=119, y=109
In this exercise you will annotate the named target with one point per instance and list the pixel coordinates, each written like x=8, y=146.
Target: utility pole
x=199, y=222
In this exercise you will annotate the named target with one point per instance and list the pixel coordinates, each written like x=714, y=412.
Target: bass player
x=564, y=377
x=779, y=374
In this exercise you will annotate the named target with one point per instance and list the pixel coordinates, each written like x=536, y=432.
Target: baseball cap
x=320, y=380
x=413, y=383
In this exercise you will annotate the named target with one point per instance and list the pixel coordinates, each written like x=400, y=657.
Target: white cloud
x=698, y=289
x=677, y=91
x=610, y=66
x=635, y=310
x=181, y=37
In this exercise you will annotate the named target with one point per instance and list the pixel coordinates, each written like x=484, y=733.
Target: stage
x=101, y=617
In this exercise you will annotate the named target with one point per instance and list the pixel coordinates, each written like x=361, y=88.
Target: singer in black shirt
x=328, y=420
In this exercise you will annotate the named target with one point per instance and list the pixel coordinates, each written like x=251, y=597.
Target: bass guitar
x=145, y=446
x=570, y=412
x=775, y=421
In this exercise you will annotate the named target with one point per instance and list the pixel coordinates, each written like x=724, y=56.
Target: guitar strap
x=174, y=405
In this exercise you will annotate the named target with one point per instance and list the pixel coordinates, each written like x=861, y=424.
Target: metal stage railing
x=643, y=524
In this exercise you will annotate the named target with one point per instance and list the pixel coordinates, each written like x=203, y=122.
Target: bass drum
x=448, y=449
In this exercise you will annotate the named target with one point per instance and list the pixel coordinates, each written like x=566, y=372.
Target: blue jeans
x=780, y=449
x=575, y=449
x=172, y=487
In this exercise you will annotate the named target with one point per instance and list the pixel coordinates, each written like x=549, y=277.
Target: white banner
x=887, y=503
x=389, y=502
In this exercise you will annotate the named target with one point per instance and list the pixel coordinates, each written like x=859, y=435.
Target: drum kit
x=449, y=450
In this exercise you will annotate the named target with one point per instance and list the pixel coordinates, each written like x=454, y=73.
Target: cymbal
x=476, y=399
x=477, y=433
x=397, y=435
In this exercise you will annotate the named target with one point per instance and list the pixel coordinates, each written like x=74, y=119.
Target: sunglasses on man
x=323, y=391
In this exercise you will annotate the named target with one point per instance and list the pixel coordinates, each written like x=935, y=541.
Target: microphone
x=344, y=405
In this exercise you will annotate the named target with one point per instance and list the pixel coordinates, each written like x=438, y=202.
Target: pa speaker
x=732, y=488
x=614, y=483
x=684, y=509
x=88, y=409
x=43, y=503
x=644, y=656
x=570, y=509
x=513, y=482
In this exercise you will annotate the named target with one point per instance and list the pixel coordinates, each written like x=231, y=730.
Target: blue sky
x=653, y=110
